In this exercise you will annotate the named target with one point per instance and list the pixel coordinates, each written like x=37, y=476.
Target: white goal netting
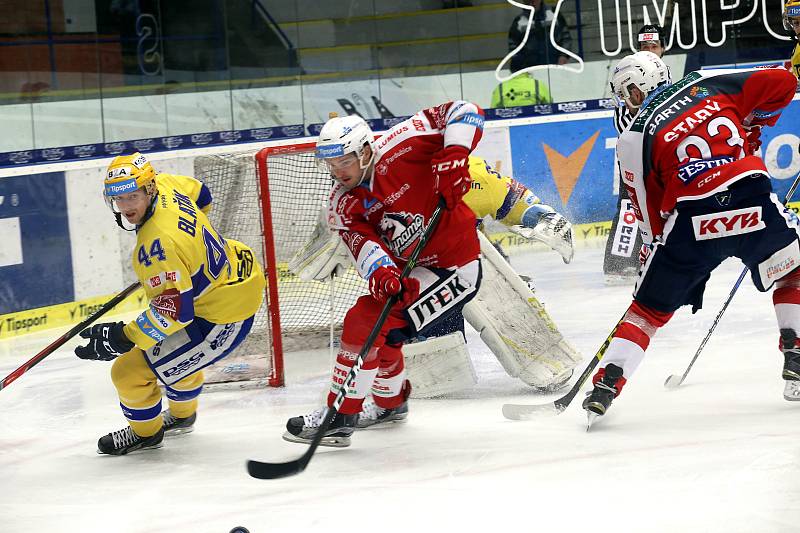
x=297, y=191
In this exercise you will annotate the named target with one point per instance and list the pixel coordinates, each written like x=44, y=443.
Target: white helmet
x=345, y=135
x=644, y=70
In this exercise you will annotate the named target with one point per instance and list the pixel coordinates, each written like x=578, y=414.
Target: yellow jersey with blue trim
x=187, y=268
x=502, y=197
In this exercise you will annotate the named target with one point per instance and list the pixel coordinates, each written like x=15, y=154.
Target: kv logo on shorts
x=438, y=300
x=727, y=223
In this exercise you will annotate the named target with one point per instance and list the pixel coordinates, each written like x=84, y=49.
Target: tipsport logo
x=333, y=150
x=114, y=189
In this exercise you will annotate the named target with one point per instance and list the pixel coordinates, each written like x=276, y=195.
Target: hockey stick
x=524, y=412
x=56, y=344
x=261, y=470
x=674, y=381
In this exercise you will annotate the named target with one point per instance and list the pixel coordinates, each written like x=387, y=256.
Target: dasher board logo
x=727, y=223
x=438, y=300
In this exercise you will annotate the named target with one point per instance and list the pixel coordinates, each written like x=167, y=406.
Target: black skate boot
x=791, y=365
x=174, y=426
x=303, y=428
x=608, y=383
x=125, y=441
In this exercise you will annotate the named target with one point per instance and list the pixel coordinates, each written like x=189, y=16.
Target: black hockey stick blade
x=260, y=470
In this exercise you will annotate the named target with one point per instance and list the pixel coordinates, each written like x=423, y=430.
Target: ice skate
x=174, y=426
x=791, y=365
x=373, y=416
x=303, y=428
x=125, y=441
x=606, y=388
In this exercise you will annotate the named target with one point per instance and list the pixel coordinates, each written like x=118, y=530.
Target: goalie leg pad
x=439, y=366
x=516, y=327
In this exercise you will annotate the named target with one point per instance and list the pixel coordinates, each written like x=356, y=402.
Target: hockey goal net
x=271, y=200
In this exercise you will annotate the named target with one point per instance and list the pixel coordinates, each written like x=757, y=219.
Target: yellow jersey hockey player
x=511, y=203
x=203, y=292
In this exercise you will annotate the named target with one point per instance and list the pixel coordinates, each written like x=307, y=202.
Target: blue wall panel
x=39, y=203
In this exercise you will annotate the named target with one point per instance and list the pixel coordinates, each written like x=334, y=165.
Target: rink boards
x=62, y=252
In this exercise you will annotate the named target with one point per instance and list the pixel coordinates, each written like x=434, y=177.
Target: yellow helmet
x=127, y=173
x=791, y=10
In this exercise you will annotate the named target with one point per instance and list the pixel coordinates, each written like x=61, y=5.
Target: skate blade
x=177, y=432
x=331, y=442
x=591, y=418
x=133, y=452
x=383, y=425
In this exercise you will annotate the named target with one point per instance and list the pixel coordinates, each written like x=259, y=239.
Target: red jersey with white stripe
x=382, y=221
x=688, y=141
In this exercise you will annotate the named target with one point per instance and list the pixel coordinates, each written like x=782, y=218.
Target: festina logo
x=727, y=223
x=438, y=301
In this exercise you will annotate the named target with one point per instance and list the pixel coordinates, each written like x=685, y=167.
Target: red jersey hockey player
x=701, y=196
x=384, y=195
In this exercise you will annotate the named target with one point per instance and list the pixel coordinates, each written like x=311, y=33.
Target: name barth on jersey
x=668, y=112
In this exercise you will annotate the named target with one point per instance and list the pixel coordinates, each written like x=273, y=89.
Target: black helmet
x=648, y=31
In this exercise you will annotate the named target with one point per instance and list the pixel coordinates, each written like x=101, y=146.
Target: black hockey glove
x=107, y=342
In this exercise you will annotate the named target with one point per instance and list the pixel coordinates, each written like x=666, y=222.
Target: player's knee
x=360, y=319
x=130, y=370
x=390, y=358
x=189, y=383
x=788, y=284
x=641, y=324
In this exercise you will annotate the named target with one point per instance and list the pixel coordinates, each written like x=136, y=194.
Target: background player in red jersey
x=701, y=196
x=384, y=195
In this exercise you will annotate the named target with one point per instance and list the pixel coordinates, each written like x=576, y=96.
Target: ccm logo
x=727, y=223
x=447, y=165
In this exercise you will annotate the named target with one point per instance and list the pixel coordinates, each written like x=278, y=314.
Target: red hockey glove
x=644, y=253
x=451, y=169
x=753, y=139
x=385, y=282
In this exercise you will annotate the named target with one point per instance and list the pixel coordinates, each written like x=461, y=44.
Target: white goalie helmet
x=644, y=70
x=341, y=136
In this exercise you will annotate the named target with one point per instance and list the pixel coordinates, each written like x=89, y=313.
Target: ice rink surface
x=720, y=454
